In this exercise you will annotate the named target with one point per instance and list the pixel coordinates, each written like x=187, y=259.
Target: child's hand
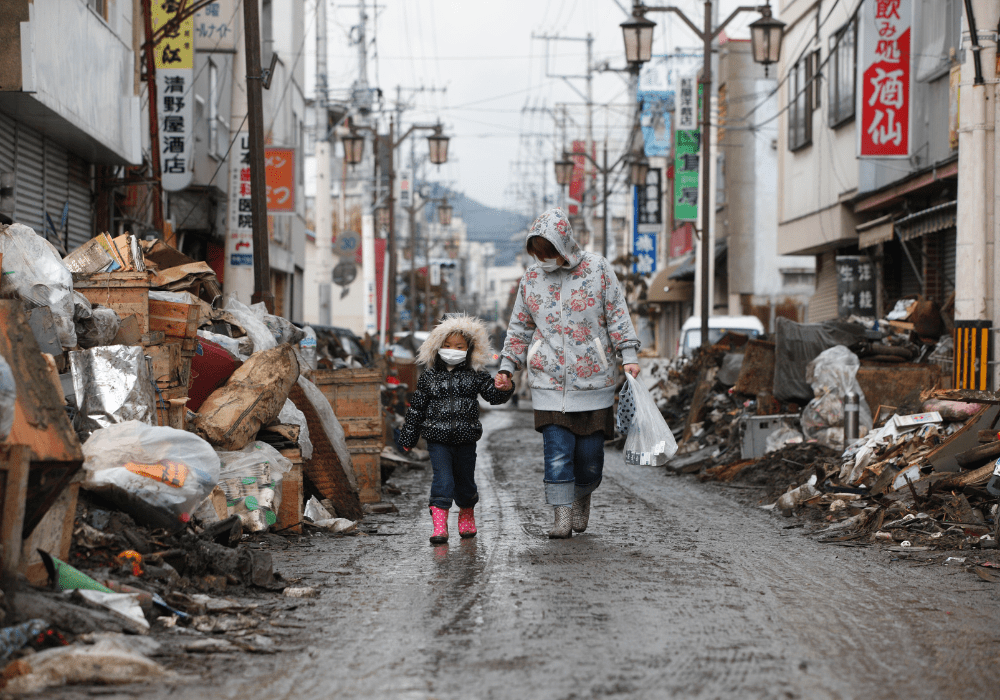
x=502, y=381
x=632, y=369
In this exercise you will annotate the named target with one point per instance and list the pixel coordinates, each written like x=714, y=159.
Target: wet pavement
x=676, y=590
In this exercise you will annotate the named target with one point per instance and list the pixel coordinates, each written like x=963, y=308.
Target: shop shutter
x=29, y=187
x=823, y=304
x=7, y=134
x=80, y=203
x=948, y=240
x=56, y=189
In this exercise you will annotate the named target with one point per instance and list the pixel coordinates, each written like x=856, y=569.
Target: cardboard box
x=125, y=292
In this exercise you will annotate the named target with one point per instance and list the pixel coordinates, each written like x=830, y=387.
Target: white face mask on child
x=548, y=265
x=452, y=357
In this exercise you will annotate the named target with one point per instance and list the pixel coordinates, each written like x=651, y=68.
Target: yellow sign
x=175, y=49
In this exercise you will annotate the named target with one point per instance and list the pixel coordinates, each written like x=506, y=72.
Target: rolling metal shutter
x=823, y=303
x=46, y=177
x=948, y=239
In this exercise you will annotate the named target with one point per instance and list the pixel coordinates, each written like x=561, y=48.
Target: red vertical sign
x=885, y=79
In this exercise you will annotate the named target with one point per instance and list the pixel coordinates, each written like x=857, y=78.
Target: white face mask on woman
x=452, y=357
x=549, y=265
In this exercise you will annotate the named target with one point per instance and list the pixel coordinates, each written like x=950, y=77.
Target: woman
x=569, y=320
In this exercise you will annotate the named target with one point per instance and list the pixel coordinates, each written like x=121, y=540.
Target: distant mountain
x=486, y=224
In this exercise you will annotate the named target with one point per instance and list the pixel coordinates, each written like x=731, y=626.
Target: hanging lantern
x=438, y=145
x=765, y=38
x=564, y=171
x=354, y=147
x=638, y=35
x=444, y=213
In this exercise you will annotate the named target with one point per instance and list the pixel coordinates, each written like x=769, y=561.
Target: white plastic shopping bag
x=648, y=440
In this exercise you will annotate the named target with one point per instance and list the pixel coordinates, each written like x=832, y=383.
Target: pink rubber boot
x=467, y=522
x=440, y=518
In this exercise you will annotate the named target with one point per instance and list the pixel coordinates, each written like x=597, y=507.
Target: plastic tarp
x=796, y=344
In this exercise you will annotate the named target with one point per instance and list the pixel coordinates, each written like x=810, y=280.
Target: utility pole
x=154, y=125
x=324, y=205
x=588, y=98
x=258, y=191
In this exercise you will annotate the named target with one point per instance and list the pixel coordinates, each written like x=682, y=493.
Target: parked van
x=718, y=326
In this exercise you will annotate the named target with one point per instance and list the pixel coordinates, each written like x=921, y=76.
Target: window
x=802, y=101
x=940, y=38
x=843, y=73
x=218, y=128
x=100, y=7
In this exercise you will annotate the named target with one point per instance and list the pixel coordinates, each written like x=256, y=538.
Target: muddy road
x=675, y=591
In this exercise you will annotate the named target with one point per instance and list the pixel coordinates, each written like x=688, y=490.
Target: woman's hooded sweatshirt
x=568, y=324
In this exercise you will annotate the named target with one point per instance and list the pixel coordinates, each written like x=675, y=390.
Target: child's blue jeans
x=574, y=464
x=454, y=475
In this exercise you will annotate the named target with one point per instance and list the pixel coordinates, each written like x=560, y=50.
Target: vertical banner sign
x=855, y=286
x=279, y=172
x=240, y=222
x=885, y=79
x=656, y=106
x=174, y=59
x=644, y=249
x=687, y=150
x=577, y=185
x=215, y=26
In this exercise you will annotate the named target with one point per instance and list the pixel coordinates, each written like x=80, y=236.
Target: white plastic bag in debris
x=648, y=440
x=832, y=374
x=251, y=479
x=8, y=397
x=33, y=269
x=290, y=415
x=230, y=344
x=112, y=384
x=307, y=348
x=252, y=323
x=157, y=475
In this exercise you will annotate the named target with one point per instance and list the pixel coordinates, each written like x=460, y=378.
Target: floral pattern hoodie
x=567, y=326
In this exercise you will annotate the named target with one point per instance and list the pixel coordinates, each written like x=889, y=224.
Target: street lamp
x=444, y=213
x=638, y=169
x=438, y=145
x=638, y=33
x=354, y=147
x=564, y=171
x=765, y=38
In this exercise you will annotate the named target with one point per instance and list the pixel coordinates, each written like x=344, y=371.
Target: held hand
x=502, y=382
x=632, y=369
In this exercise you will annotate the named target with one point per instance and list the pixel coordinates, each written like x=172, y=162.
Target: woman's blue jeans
x=454, y=475
x=574, y=464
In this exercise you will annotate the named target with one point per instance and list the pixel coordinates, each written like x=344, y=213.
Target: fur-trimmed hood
x=474, y=331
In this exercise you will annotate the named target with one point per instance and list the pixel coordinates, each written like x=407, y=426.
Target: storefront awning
x=928, y=220
x=662, y=288
x=876, y=231
x=686, y=270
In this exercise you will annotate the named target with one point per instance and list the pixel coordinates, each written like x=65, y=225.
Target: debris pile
x=155, y=444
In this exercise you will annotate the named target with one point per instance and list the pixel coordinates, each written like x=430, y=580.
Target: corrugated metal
x=823, y=304
x=80, y=203
x=948, y=239
x=56, y=190
x=29, y=194
x=7, y=134
x=909, y=283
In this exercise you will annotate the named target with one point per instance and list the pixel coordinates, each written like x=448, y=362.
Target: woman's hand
x=632, y=369
x=502, y=381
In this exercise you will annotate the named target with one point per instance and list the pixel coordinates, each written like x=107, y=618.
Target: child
x=445, y=407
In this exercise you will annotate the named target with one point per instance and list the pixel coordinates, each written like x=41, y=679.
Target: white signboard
x=175, y=114
x=240, y=246
x=687, y=111
x=215, y=26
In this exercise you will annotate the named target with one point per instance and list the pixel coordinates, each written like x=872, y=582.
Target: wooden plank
x=290, y=509
x=353, y=393
x=54, y=534
x=172, y=413
x=15, y=463
x=368, y=472
x=166, y=360
x=362, y=427
x=174, y=319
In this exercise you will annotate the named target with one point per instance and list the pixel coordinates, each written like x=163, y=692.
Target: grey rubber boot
x=581, y=514
x=563, y=527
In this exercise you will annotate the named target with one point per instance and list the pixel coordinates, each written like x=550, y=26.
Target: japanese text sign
x=174, y=57
x=687, y=113
x=644, y=249
x=240, y=230
x=855, y=286
x=279, y=171
x=687, y=154
x=215, y=26
x=885, y=70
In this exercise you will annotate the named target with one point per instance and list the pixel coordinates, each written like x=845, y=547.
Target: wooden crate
x=125, y=292
x=170, y=367
x=290, y=509
x=14, y=471
x=366, y=460
x=171, y=413
x=356, y=397
x=174, y=319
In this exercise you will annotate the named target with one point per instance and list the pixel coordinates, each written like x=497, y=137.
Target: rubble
x=163, y=387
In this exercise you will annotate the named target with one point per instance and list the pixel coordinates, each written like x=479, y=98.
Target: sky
x=493, y=74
